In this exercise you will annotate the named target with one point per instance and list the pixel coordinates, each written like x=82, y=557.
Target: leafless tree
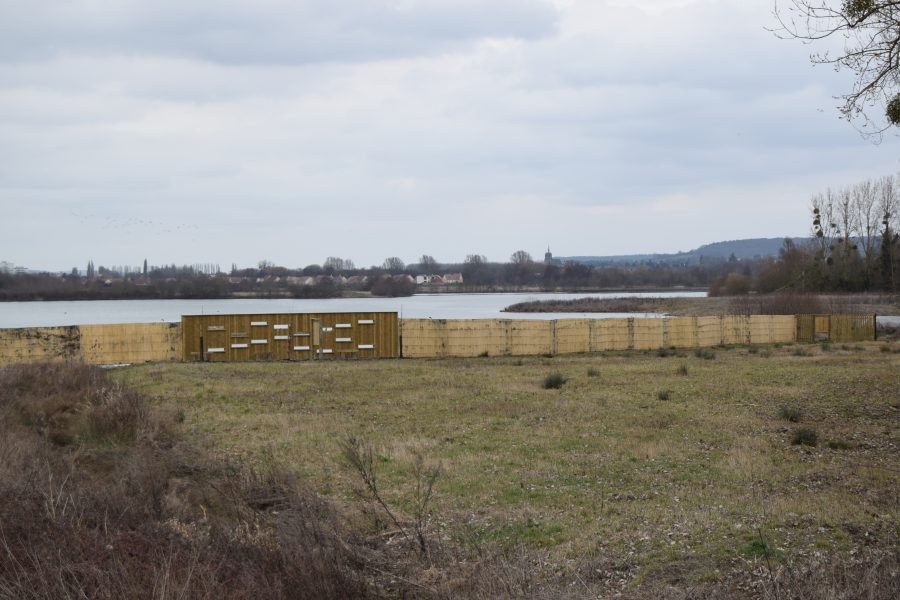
x=339, y=264
x=870, y=30
x=520, y=257
x=393, y=264
x=427, y=262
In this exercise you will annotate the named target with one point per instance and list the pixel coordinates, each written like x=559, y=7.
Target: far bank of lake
x=420, y=306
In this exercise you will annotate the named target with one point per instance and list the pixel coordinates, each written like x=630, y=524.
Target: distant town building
x=445, y=279
x=548, y=258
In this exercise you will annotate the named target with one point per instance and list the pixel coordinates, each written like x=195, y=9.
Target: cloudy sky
x=290, y=130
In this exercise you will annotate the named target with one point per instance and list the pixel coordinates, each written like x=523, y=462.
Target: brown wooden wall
x=290, y=336
x=835, y=328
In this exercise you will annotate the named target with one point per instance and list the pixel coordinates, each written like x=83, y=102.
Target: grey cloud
x=266, y=32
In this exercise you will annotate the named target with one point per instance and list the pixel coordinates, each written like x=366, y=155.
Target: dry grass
x=596, y=486
x=763, y=304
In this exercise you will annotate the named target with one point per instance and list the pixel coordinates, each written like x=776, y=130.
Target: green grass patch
x=602, y=468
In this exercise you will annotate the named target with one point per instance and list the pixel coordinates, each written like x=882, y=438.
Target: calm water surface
x=434, y=306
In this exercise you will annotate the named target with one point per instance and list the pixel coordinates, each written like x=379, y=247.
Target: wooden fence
x=93, y=344
x=418, y=338
x=835, y=328
x=431, y=338
x=289, y=336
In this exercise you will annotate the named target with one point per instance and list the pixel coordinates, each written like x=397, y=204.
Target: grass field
x=646, y=467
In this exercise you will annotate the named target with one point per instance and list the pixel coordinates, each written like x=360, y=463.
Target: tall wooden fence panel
x=378, y=334
x=429, y=338
x=33, y=344
x=93, y=344
x=130, y=343
x=289, y=336
x=835, y=328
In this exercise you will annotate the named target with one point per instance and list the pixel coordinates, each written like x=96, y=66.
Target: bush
x=758, y=547
x=790, y=413
x=733, y=284
x=805, y=436
x=592, y=372
x=554, y=381
x=705, y=353
x=664, y=395
x=682, y=370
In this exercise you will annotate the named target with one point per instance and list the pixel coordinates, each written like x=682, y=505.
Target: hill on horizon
x=714, y=252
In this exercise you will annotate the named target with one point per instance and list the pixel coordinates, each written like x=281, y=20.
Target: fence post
x=631, y=333
x=665, y=332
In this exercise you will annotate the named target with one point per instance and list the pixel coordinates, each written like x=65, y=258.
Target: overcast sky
x=231, y=131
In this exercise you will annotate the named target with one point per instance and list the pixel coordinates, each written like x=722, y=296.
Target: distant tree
x=393, y=264
x=74, y=272
x=336, y=264
x=733, y=284
x=145, y=267
x=520, y=257
x=889, y=257
x=427, y=263
x=398, y=285
x=475, y=259
x=265, y=265
x=90, y=269
x=575, y=274
x=234, y=268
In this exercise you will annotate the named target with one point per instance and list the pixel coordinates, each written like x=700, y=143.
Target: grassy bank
x=644, y=473
x=723, y=305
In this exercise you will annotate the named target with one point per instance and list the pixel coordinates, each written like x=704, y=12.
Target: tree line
x=854, y=246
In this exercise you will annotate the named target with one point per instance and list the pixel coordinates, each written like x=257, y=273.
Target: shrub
x=800, y=351
x=758, y=547
x=790, y=413
x=805, y=436
x=753, y=349
x=682, y=370
x=666, y=352
x=705, y=353
x=664, y=395
x=733, y=284
x=554, y=381
x=592, y=372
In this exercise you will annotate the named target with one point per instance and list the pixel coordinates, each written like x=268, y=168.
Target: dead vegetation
x=787, y=303
x=101, y=496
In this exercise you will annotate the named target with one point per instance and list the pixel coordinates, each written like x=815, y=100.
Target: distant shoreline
x=871, y=303
x=427, y=291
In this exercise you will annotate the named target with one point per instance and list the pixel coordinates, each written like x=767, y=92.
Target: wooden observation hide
x=289, y=336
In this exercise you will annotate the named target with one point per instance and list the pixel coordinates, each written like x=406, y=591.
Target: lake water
x=434, y=306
